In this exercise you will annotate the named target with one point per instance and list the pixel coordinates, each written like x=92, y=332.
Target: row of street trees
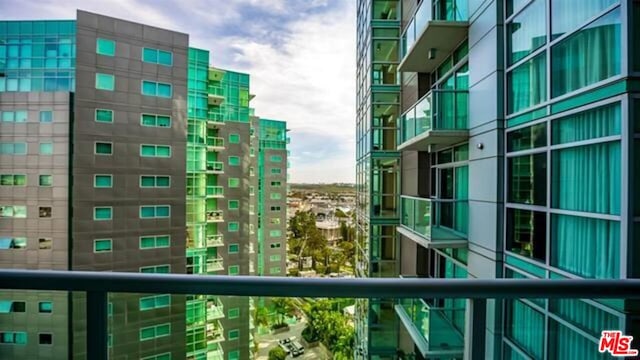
x=327, y=324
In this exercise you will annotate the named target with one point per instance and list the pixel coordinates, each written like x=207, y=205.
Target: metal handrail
x=97, y=285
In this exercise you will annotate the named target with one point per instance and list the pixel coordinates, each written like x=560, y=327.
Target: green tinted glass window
x=45, y=116
x=105, y=47
x=234, y=161
x=234, y=248
x=233, y=226
x=234, y=334
x=103, y=148
x=233, y=204
x=46, y=148
x=102, y=213
x=234, y=182
x=527, y=31
x=45, y=180
x=105, y=82
x=527, y=84
x=275, y=158
x=103, y=181
x=149, y=88
x=45, y=307
x=234, y=313
x=234, y=270
x=104, y=115
x=102, y=245
x=234, y=138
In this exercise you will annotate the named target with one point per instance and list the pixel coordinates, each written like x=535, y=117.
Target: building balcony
x=215, y=143
x=215, y=265
x=215, y=334
x=216, y=240
x=435, y=326
x=215, y=191
x=215, y=167
x=436, y=29
x=214, y=99
x=215, y=310
x=434, y=223
x=215, y=216
x=214, y=119
x=215, y=354
x=439, y=119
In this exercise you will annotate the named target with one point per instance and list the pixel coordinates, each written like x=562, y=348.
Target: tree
x=305, y=239
x=277, y=353
x=282, y=307
x=261, y=316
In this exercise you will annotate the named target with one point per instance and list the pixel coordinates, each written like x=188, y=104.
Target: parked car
x=285, y=347
x=297, y=347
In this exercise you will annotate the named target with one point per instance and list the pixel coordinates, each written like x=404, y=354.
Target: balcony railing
x=215, y=265
x=440, y=118
x=215, y=310
x=215, y=216
x=435, y=223
x=214, y=119
x=214, y=191
x=436, y=29
x=215, y=167
x=97, y=286
x=215, y=143
x=437, y=331
x=216, y=240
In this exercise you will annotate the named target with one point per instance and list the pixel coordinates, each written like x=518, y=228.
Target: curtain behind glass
x=526, y=328
x=587, y=178
x=565, y=343
x=589, y=56
x=591, y=124
x=461, y=193
x=585, y=316
x=528, y=84
x=568, y=15
x=586, y=247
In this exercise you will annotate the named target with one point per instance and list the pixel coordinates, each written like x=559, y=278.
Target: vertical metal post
x=97, y=325
x=477, y=329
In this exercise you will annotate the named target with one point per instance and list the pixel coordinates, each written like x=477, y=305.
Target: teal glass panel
x=162, y=181
x=103, y=115
x=45, y=116
x=147, y=333
x=527, y=84
x=569, y=15
x=162, y=211
x=149, y=55
x=147, y=150
x=163, y=330
x=234, y=161
x=163, y=151
x=105, y=47
x=44, y=180
x=165, y=58
x=164, y=90
x=104, y=148
x=234, y=138
x=45, y=307
x=102, y=213
x=596, y=47
x=102, y=245
x=103, y=181
x=163, y=241
x=527, y=31
x=233, y=204
x=527, y=179
x=527, y=233
x=586, y=247
x=234, y=248
x=148, y=120
x=163, y=121
x=531, y=137
x=147, y=242
x=526, y=328
x=234, y=182
x=233, y=226
x=565, y=343
x=147, y=212
x=149, y=88
x=105, y=82
x=585, y=316
x=46, y=148
x=147, y=181
x=587, y=178
x=590, y=124
x=147, y=303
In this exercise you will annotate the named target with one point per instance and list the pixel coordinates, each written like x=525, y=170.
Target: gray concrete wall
x=33, y=227
x=126, y=165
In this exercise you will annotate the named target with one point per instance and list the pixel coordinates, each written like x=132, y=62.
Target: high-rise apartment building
x=122, y=149
x=515, y=157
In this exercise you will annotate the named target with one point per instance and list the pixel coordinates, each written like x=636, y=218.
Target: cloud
x=300, y=54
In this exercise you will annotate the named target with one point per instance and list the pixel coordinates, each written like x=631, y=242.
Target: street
x=269, y=341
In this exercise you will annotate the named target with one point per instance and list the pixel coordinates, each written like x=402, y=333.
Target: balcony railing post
x=476, y=330
x=97, y=347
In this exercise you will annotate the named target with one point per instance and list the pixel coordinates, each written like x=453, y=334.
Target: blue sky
x=300, y=54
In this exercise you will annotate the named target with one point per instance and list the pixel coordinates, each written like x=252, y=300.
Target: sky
x=300, y=54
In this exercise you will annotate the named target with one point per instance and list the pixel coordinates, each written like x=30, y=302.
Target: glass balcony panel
x=439, y=118
x=437, y=223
